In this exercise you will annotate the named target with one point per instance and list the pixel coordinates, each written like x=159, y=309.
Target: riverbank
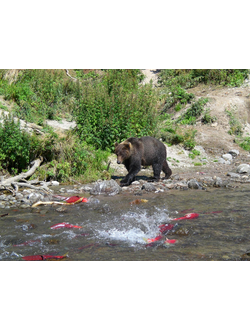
x=223, y=174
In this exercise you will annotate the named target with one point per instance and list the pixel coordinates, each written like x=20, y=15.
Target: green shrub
x=14, y=146
x=244, y=143
x=192, y=113
x=114, y=109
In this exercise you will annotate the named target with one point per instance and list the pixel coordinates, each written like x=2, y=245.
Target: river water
x=115, y=229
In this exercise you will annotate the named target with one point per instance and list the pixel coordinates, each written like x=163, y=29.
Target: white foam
x=133, y=227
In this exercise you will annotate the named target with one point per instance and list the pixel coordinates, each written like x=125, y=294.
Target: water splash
x=132, y=227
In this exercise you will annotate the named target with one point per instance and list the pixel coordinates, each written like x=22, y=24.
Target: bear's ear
x=127, y=145
x=116, y=144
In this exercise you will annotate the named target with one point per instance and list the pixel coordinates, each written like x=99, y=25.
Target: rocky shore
x=230, y=171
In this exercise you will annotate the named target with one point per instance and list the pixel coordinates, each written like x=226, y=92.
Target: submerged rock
x=109, y=187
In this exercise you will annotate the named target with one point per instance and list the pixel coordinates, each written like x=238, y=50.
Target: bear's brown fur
x=146, y=151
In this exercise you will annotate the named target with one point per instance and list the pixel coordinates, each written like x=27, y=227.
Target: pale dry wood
x=22, y=175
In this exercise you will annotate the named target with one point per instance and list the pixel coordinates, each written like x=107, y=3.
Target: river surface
x=115, y=229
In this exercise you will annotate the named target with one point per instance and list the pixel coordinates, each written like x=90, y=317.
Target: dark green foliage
x=115, y=108
x=14, y=146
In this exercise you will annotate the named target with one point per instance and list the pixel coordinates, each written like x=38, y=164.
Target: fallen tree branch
x=36, y=163
x=43, y=188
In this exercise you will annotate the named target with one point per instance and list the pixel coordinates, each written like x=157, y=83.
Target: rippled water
x=113, y=229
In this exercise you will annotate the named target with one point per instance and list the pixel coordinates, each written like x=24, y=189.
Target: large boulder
x=108, y=187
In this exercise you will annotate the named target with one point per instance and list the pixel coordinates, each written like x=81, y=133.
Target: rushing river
x=115, y=229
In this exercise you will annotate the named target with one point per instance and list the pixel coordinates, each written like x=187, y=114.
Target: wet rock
x=182, y=185
x=86, y=187
x=170, y=186
x=149, y=187
x=3, y=197
x=109, y=187
x=243, y=168
x=218, y=182
x=208, y=181
x=2, y=205
x=61, y=209
x=194, y=184
x=24, y=206
x=19, y=196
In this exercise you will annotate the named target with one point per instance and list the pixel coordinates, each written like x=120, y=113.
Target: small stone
x=108, y=187
x=148, y=187
x=218, y=182
x=135, y=183
x=243, y=168
x=170, y=186
x=227, y=157
x=194, y=184
x=233, y=175
x=234, y=152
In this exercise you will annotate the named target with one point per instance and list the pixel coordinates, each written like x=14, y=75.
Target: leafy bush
x=40, y=94
x=192, y=113
x=14, y=146
x=244, y=143
x=72, y=159
x=114, y=109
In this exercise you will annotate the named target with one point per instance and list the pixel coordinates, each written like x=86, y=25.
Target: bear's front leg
x=130, y=177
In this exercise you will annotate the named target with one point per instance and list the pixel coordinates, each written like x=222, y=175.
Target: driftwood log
x=13, y=181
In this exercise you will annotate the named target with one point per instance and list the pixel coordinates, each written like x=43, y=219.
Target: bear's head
x=123, y=151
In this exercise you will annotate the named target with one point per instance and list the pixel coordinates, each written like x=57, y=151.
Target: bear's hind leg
x=157, y=172
x=166, y=169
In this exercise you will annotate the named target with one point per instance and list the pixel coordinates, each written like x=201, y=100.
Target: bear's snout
x=118, y=162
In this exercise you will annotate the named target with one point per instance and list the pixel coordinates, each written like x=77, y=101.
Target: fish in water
x=155, y=239
x=71, y=199
x=170, y=241
x=43, y=257
x=188, y=216
x=31, y=242
x=64, y=225
x=166, y=227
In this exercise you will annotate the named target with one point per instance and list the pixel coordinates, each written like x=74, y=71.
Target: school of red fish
x=163, y=229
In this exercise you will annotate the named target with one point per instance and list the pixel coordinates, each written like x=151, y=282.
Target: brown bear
x=146, y=151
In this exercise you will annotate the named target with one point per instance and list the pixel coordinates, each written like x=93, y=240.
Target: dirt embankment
x=212, y=140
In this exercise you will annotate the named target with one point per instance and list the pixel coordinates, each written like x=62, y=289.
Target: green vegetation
x=192, y=77
x=14, y=146
x=108, y=106
x=193, y=153
x=114, y=108
x=235, y=125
